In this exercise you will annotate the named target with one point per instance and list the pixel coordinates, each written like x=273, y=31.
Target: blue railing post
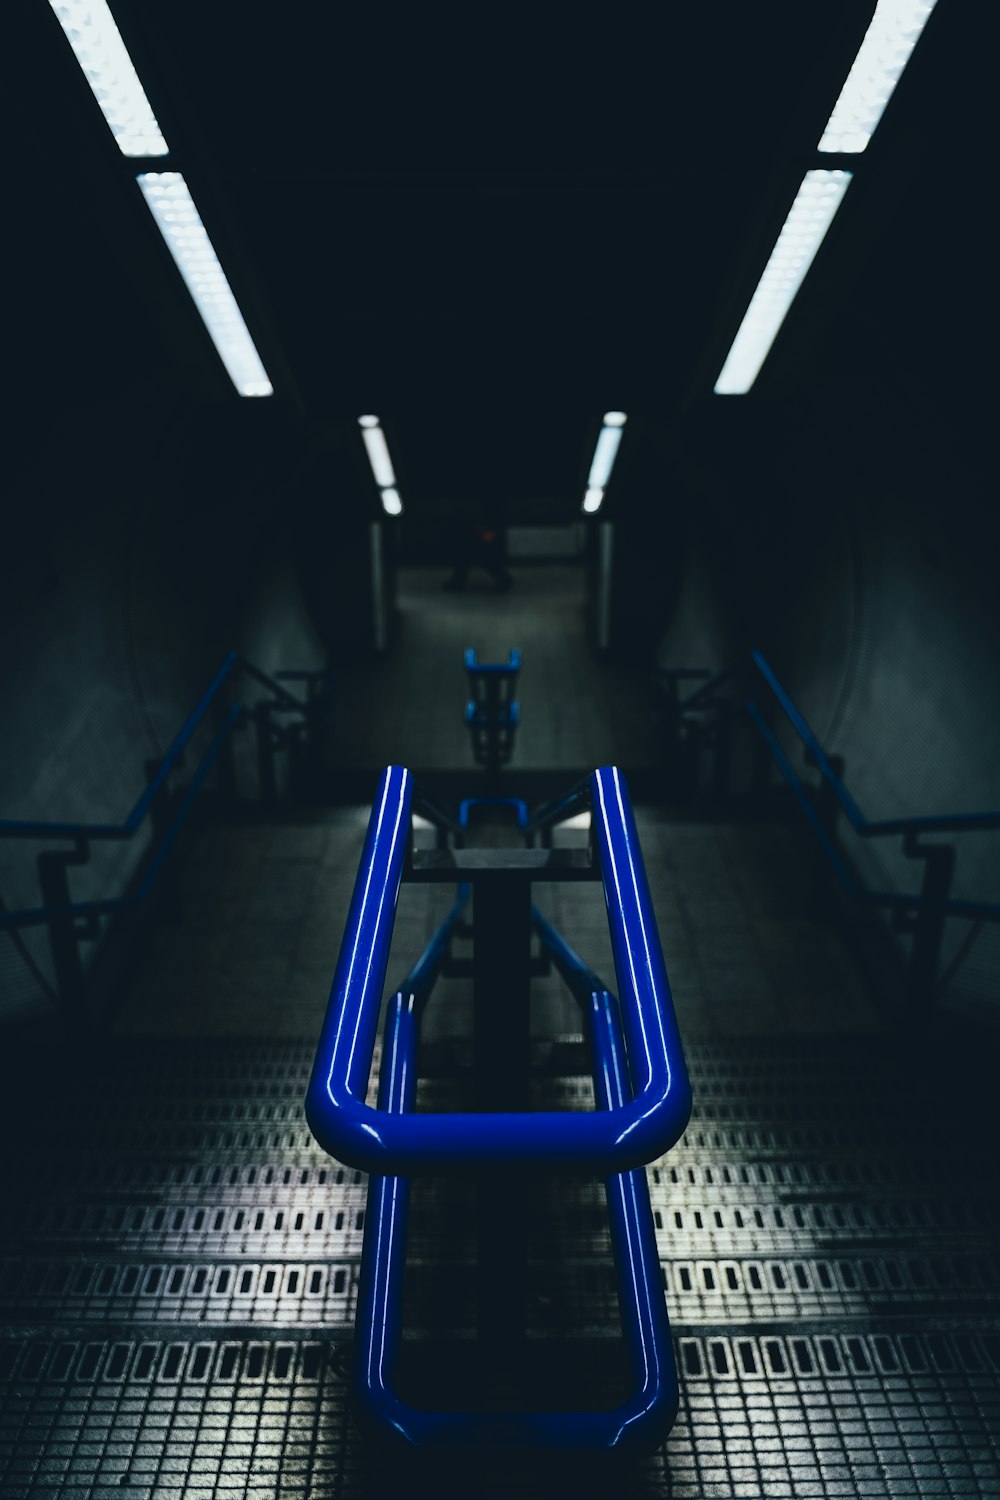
x=492, y=713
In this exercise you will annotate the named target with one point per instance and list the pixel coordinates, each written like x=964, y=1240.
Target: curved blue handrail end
x=629, y=1135
x=518, y=804
x=496, y=668
x=362, y=1137
x=635, y=1427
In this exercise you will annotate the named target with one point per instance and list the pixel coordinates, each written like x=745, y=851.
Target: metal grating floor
x=178, y=1270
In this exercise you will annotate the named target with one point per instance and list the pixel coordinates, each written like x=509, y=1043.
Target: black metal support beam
x=502, y=971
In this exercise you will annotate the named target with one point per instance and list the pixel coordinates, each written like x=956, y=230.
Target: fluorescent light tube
x=614, y=419
x=101, y=53
x=894, y=32
x=604, y=457
x=368, y=421
x=810, y=216
x=592, y=501
x=378, y=456
x=391, y=503
x=187, y=240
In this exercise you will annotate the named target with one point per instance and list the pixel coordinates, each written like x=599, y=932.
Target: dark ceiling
x=487, y=226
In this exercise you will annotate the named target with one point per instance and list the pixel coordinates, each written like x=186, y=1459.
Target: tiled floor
x=577, y=711
x=179, y=1271
x=179, y=1259
x=253, y=950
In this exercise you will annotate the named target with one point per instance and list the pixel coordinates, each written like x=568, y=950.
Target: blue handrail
x=402, y=1142
x=492, y=714
x=35, y=828
x=559, y=810
x=933, y=902
x=380, y=1142
x=39, y=915
x=83, y=833
x=900, y=901
x=508, y=668
x=18, y=828
x=867, y=828
x=643, y=1420
x=505, y=716
x=517, y=805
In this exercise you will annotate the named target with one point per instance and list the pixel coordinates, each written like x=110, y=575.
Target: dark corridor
x=342, y=349
x=180, y=1259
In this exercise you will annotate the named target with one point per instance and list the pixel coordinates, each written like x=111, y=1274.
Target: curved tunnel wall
x=860, y=557
x=144, y=541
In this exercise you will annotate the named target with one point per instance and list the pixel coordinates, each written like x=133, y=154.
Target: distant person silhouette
x=479, y=546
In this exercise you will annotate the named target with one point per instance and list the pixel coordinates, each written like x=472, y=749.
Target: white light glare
x=894, y=32
x=604, y=457
x=109, y=70
x=809, y=217
x=614, y=419
x=187, y=240
x=592, y=501
x=378, y=455
x=391, y=503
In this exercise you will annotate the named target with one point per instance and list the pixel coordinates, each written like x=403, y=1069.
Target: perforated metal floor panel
x=178, y=1267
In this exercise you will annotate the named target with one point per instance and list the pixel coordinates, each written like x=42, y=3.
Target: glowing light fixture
x=378, y=456
x=96, y=41
x=603, y=461
x=178, y=221
x=604, y=457
x=894, y=32
x=809, y=218
x=378, y=452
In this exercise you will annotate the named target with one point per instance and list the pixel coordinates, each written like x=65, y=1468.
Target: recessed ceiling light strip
x=97, y=42
x=381, y=464
x=894, y=32
x=178, y=221
x=809, y=218
x=378, y=452
x=603, y=461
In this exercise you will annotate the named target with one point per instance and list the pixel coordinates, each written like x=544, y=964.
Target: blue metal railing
x=647, y=1415
x=492, y=713
x=902, y=901
x=69, y=921
x=866, y=827
x=643, y=1102
x=627, y=1136
x=922, y=913
x=910, y=827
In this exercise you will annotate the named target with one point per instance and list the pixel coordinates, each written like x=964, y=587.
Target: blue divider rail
x=640, y=1081
x=492, y=713
x=699, y=732
x=72, y=922
x=921, y=913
